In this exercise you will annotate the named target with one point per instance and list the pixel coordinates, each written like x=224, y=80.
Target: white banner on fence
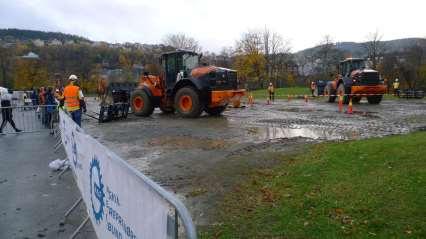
x=119, y=202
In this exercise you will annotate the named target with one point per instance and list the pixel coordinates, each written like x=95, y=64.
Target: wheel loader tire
x=356, y=99
x=126, y=110
x=216, y=111
x=102, y=117
x=342, y=91
x=188, y=103
x=328, y=93
x=141, y=103
x=374, y=100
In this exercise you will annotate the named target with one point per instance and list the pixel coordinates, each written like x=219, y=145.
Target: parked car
x=412, y=93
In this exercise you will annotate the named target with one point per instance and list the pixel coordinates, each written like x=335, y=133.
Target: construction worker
x=72, y=96
x=313, y=85
x=271, y=92
x=396, y=87
x=6, y=110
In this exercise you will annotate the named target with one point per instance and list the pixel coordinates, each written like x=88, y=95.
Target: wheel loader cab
x=349, y=65
x=177, y=65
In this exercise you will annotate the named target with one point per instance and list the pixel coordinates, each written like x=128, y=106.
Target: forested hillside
x=259, y=56
x=13, y=34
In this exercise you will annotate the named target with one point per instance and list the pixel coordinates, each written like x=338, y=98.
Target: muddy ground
x=200, y=159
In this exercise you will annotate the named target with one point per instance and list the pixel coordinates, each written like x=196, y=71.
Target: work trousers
x=76, y=116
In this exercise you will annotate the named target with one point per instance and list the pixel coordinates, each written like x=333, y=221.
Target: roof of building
x=31, y=55
x=352, y=59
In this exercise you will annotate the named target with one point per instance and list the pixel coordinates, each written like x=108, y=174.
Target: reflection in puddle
x=276, y=132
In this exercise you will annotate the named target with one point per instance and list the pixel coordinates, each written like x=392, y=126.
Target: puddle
x=313, y=132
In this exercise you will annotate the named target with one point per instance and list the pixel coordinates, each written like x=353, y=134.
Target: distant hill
x=13, y=35
x=356, y=49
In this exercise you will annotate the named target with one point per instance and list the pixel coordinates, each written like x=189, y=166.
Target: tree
x=5, y=66
x=250, y=60
x=29, y=74
x=410, y=67
x=276, y=53
x=375, y=47
x=324, y=54
x=389, y=67
x=422, y=77
x=326, y=58
x=182, y=41
x=223, y=59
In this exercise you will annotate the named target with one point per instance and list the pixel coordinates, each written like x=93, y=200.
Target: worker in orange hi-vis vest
x=72, y=96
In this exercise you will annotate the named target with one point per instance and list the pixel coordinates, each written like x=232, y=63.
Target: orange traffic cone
x=289, y=97
x=350, y=111
x=340, y=103
x=251, y=100
x=306, y=99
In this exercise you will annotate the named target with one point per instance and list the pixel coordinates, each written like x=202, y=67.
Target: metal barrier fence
x=177, y=214
x=28, y=118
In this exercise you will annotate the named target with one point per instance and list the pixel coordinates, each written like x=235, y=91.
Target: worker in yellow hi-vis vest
x=396, y=87
x=271, y=91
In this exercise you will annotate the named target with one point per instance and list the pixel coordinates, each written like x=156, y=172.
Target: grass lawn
x=281, y=93
x=373, y=188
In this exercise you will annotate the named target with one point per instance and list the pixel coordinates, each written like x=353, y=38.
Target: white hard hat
x=72, y=77
x=3, y=91
x=396, y=79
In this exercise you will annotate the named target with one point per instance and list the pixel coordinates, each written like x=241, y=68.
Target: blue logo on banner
x=74, y=150
x=97, y=195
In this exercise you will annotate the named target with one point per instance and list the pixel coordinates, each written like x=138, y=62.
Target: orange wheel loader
x=355, y=80
x=186, y=87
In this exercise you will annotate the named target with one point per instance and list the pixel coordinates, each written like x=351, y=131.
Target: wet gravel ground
x=200, y=159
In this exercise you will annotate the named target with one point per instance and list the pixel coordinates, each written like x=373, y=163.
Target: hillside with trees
x=260, y=56
x=13, y=34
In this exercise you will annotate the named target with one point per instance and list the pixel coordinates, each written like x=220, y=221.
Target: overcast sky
x=218, y=23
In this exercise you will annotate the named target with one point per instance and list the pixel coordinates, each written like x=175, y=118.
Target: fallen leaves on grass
x=197, y=192
x=268, y=195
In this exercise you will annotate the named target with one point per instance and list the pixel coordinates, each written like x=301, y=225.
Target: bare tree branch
x=181, y=41
x=375, y=47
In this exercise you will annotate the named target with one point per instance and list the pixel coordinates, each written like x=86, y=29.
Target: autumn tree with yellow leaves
x=262, y=57
x=29, y=74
